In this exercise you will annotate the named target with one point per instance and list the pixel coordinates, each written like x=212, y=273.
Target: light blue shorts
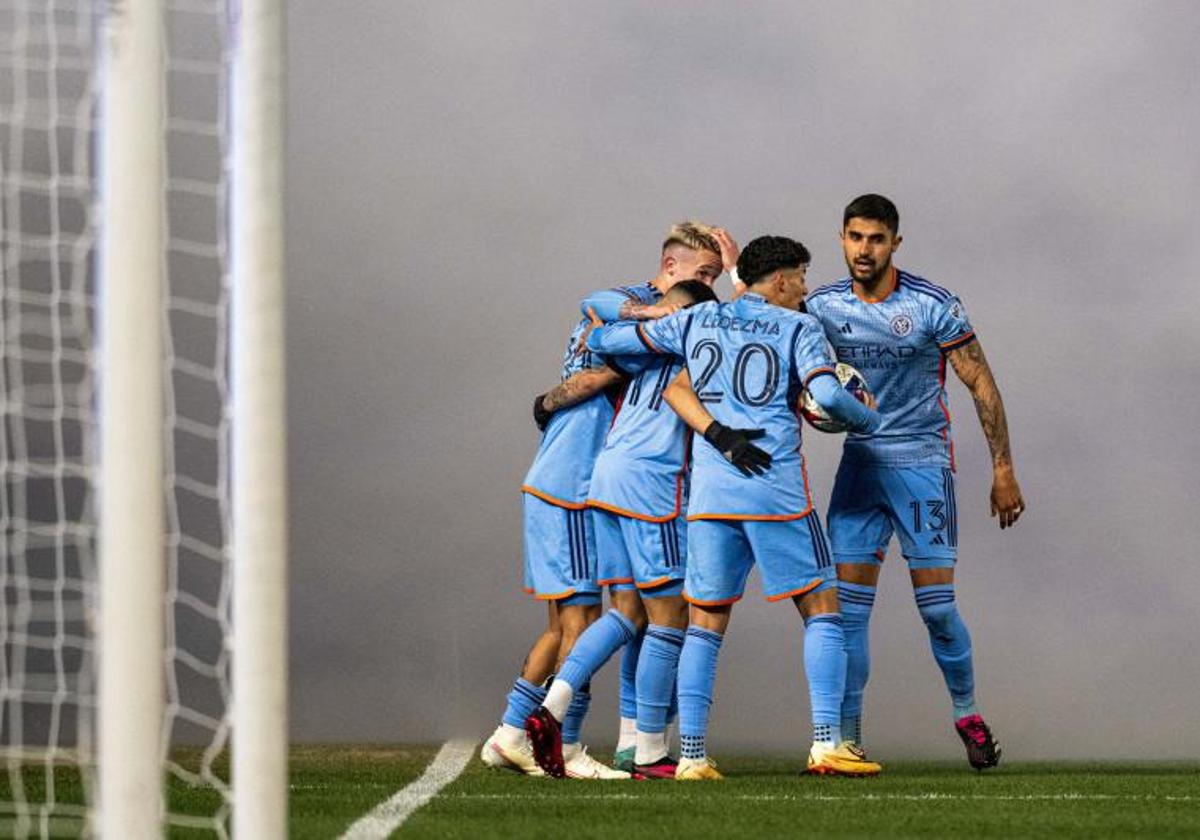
x=792, y=555
x=869, y=504
x=560, y=553
x=634, y=553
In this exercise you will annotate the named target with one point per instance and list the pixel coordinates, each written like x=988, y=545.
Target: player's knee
x=940, y=618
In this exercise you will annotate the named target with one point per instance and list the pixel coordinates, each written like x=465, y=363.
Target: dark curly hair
x=768, y=254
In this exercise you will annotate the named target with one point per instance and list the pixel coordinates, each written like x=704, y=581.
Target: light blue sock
x=522, y=700
x=657, y=669
x=576, y=712
x=629, y=668
x=697, y=674
x=594, y=647
x=856, y=601
x=951, y=644
x=825, y=667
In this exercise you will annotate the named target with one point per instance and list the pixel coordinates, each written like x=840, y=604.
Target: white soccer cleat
x=500, y=752
x=580, y=765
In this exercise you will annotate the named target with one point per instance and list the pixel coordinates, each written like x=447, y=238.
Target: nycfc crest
x=902, y=325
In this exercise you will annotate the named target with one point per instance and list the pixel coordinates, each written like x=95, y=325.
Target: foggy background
x=460, y=174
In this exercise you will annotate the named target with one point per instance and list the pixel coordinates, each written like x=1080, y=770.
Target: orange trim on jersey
x=654, y=583
x=766, y=517
x=527, y=590
x=611, y=581
x=720, y=603
x=546, y=497
x=854, y=286
x=808, y=587
x=556, y=596
x=644, y=517
x=945, y=408
x=958, y=342
x=646, y=339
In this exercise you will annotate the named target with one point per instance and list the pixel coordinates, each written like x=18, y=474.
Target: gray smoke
x=460, y=174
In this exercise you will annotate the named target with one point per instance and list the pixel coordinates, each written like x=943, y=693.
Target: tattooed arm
x=972, y=368
x=572, y=390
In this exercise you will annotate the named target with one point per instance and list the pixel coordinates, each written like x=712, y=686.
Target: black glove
x=735, y=446
x=540, y=415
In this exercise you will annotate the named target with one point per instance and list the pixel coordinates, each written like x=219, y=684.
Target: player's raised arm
x=610, y=305
x=972, y=368
x=572, y=390
x=632, y=338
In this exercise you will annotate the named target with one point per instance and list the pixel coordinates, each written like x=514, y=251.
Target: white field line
x=868, y=797
x=391, y=814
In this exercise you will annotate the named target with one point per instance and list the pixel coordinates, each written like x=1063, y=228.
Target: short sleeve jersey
x=748, y=361
x=899, y=345
x=642, y=470
x=562, y=468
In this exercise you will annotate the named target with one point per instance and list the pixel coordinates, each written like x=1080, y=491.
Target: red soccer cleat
x=982, y=750
x=545, y=735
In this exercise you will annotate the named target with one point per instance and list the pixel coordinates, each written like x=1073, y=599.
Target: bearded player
x=899, y=331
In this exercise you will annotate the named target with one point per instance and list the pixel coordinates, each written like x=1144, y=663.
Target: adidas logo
x=845, y=328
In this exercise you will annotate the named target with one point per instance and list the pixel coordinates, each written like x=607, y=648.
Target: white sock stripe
x=386, y=817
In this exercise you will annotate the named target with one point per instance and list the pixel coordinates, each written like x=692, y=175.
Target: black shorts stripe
x=572, y=545
x=666, y=532
x=578, y=544
x=951, y=506
x=820, y=546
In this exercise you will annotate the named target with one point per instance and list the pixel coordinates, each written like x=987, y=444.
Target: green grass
x=767, y=796
x=331, y=786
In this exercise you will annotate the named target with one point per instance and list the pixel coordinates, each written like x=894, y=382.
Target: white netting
x=196, y=733
x=47, y=691
x=48, y=221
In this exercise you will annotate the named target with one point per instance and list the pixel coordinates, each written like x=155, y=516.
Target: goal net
x=52, y=378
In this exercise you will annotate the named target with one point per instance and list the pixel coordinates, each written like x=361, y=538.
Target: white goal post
x=143, y=625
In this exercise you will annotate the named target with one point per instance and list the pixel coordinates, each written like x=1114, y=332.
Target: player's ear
x=668, y=263
x=896, y=240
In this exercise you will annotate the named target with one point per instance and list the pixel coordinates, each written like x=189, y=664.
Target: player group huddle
x=621, y=495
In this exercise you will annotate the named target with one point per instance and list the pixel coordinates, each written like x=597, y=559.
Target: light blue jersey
x=748, y=361
x=606, y=304
x=642, y=470
x=562, y=469
x=899, y=345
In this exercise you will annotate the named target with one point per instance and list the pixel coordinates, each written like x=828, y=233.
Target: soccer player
x=691, y=250
x=899, y=330
x=638, y=494
x=747, y=362
x=560, y=557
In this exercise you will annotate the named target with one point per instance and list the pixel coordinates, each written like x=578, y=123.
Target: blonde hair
x=695, y=235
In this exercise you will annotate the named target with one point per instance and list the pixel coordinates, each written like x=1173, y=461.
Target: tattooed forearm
x=579, y=387
x=631, y=310
x=972, y=368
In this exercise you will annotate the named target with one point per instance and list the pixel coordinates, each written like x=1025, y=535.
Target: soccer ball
x=811, y=410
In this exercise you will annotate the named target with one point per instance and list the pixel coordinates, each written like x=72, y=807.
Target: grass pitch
x=767, y=797
x=332, y=786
